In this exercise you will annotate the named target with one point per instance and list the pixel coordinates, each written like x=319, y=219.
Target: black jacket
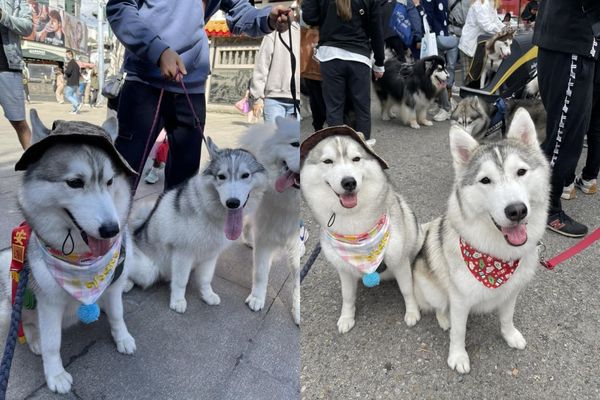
x=562, y=25
x=72, y=73
x=359, y=35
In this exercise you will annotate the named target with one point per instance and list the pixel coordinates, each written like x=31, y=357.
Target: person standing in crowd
x=529, y=12
x=349, y=30
x=83, y=79
x=160, y=55
x=94, y=86
x=482, y=19
x=310, y=74
x=15, y=22
x=270, y=85
x=567, y=33
x=72, y=73
x=59, y=82
x=436, y=12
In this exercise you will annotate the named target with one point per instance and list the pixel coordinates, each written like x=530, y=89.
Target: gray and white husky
x=482, y=252
x=474, y=116
x=275, y=224
x=190, y=225
x=497, y=49
x=347, y=190
x=74, y=194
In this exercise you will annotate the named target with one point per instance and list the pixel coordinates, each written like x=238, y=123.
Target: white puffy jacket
x=481, y=19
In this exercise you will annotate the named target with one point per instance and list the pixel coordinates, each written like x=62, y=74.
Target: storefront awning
x=217, y=28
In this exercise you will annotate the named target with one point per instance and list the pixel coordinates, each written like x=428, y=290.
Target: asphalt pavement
x=381, y=358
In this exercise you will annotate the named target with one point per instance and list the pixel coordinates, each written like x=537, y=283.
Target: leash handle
x=189, y=100
x=571, y=251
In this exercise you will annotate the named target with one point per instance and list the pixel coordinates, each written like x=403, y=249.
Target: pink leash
x=571, y=251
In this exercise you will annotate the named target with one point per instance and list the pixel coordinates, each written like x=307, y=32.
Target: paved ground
x=381, y=358
x=223, y=352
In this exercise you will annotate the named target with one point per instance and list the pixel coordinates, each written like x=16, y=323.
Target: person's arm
x=242, y=17
x=311, y=12
x=69, y=69
x=131, y=30
x=486, y=20
x=261, y=69
x=22, y=23
x=415, y=13
x=376, y=33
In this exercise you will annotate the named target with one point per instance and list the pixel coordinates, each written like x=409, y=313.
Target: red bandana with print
x=488, y=270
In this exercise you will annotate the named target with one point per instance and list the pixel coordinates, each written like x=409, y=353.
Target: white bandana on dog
x=84, y=278
x=363, y=251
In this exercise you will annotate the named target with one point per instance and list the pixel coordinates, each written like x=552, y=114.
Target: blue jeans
x=71, y=96
x=275, y=108
x=448, y=45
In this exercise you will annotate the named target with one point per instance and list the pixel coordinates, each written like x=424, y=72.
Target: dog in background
x=497, y=49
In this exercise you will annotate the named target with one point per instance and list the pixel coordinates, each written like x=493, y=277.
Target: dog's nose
x=107, y=231
x=232, y=203
x=349, y=183
x=516, y=211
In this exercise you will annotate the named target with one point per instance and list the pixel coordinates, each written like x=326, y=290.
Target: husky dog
x=482, y=252
x=190, y=225
x=75, y=196
x=348, y=192
x=474, y=116
x=413, y=87
x=275, y=224
x=497, y=49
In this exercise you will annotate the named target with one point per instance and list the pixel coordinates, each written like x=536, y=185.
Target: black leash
x=293, y=63
x=311, y=260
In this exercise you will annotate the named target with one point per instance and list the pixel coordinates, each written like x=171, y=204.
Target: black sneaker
x=566, y=226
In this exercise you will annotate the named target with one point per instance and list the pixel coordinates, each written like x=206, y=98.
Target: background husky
x=73, y=190
x=413, y=87
x=344, y=184
x=499, y=207
x=275, y=224
x=474, y=116
x=192, y=224
x=497, y=48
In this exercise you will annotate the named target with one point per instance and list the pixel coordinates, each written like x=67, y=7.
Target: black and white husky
x=76, y=199
x=190, y=225
x=411, y=87
x=482, y=252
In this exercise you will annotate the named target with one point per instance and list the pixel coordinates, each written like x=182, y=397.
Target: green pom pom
x=29, y=300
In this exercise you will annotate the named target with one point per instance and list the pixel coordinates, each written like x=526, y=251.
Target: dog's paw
x=126, y=345
x=255, y=303
x=345, y=324
x=128, y=286
x=443, y=320
x=515, y=339
x=35, y=347
x=60, y=383
x=178, y=306
x=459, y=361
x=212, y=299
x=414, y=125
x=412, y=317
x=385, y=117
x=427, y=122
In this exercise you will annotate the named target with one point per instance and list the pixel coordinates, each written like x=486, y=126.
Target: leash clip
x=541, y=249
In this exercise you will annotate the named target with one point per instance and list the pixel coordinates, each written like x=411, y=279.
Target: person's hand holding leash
x=377, y=75
x=171, y=64
x=278, y=18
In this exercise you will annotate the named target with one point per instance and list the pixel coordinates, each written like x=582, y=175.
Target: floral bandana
x=488, y=270
x=364, y=251
x=83, y=277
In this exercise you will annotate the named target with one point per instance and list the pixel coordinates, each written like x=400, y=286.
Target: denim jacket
x=15, y=22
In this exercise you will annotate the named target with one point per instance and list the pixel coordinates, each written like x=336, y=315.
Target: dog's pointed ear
x=212, y=148
x=461, y=145
x=522, y=128
x=111, y=126
x=38, y=130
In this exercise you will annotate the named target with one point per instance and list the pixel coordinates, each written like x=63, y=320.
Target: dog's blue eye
x=521, y=172
x=110, y=182
x=245, y=175
x=328, y=161
x=356, y=159
x=295, y=144
x=486, y=181
x=221, y=177
x=75, y=183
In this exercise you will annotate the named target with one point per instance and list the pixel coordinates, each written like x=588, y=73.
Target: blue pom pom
x=371, y=280
x=88, y=313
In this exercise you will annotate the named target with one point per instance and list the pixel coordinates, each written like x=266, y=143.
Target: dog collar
x=490, y=271
x=363, y=251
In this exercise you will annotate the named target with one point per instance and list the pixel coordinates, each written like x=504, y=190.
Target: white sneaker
x=152, y=177
x=79, y=107
x=442, y=115
x=568, y=192
x=587, y=187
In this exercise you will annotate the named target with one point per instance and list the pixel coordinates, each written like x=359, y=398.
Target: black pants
x=317, y=103
x=347, y=78
x=567, y=91
x=137, y=107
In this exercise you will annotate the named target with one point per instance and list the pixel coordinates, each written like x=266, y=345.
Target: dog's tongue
x=99, y=247
x=349, y=200
x=234, y=223
x=515, y=235
x=285, y=181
